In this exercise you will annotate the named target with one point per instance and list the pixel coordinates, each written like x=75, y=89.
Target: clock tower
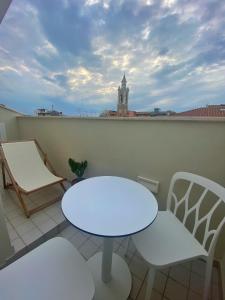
x=123, y=91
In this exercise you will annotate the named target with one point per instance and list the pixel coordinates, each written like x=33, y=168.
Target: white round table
x=110, y=207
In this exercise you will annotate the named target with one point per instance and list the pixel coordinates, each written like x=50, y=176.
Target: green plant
x=77, y=168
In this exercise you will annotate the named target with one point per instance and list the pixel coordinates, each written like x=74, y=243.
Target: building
x=122, y=106
x=114, y=113
x=157, y=112
x=208, y=111
x=123, y=92
x=122, y=103
x=46, y=112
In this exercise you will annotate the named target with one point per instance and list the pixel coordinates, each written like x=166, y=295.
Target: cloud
x=73, y=53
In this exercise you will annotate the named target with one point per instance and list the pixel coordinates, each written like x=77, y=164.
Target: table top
x=109, y=206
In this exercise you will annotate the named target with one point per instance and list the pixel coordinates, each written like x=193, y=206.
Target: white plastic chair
x=53, y=271
x=168, y=241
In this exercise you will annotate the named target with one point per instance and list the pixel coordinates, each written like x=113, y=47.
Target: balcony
x=153, y=149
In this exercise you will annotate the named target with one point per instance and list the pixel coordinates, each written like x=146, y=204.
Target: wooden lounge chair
x=27, y=170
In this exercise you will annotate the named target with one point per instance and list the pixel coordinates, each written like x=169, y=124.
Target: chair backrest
x=208, y=190
x=22, y=154
x=25, y=162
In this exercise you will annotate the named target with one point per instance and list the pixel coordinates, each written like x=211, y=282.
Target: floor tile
x=88, y=249
x=194, y=296
x=187, y=265
x=215, y=292
x=47, y=226
x=196, y=283
x=58, y=217
x=215, y=275
x=69, y=231
x=51, y=210
x=97, y=240
x=78, y=239
x=154, y=296
x=8, y=225
x=25, y=227
x=18, y=220
x=160, y=282
x=165, y=271
x=180, y=274
x=51, y=233
x=36, y=243
x=136, y=286
x=120, y=251
x=138, y=267
x=116, y=245
x=31, y=236
x=127, y=254
x=175, y=291
x=63, y=225
x=9, y=206
x=198, y=266
x=12, y=234
x=18, y=244
x=14, y=213
x=39, y=218
x=131, y=247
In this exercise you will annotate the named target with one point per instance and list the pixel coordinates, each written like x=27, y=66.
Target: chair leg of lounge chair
x=42, y=206
x=3, y=176
x=15, y=187
x=26, y=211
x=63, y=187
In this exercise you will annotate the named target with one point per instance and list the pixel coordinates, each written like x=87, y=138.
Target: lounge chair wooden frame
x=19, y=191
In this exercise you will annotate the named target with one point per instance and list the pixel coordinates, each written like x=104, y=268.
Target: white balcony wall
x=155, y=148
x=8, y=118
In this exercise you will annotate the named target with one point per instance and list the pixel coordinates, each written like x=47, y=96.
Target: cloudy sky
x=72, y=54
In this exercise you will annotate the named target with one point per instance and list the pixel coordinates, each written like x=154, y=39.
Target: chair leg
x=150, y=282
x=207, y=280
x=26, y=211
x=3, y=176
x=63, y=187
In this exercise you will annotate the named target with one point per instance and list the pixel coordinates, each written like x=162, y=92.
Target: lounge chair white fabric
x=26, y=169
x=53, y=271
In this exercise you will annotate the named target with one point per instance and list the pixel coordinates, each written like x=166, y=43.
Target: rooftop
x=208, y=111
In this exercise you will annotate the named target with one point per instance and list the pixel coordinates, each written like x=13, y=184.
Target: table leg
x=111, y=274
x=107, y=259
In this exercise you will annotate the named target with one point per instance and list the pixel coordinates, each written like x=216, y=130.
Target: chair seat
x=167, y=241
x=53, y=271
x=34, y=182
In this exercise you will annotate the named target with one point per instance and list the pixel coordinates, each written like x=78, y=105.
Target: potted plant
x=78, y=169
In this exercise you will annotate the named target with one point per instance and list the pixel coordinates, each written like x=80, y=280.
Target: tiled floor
x=26, y=233
x=183, y=282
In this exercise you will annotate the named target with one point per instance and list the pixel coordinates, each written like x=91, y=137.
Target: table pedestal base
x=119, y=286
